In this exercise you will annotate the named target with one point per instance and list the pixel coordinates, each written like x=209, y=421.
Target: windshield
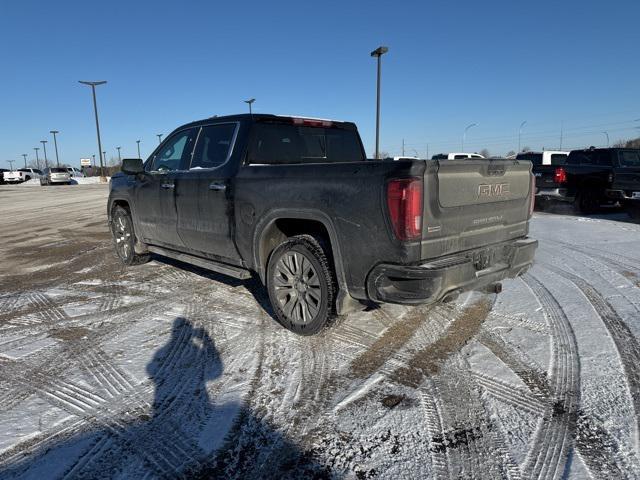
x=630, y=158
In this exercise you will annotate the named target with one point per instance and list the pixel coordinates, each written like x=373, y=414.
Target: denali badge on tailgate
x=493, y=190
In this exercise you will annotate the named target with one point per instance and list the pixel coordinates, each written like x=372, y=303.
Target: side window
x=579, y=158
x=214, y=146
x=173, y=151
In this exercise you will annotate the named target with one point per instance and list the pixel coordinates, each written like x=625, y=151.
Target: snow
x=157, y=371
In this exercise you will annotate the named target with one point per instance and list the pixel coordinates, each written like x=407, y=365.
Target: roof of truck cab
x=258, y=117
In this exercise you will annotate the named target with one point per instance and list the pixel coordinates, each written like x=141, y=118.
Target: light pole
x=378, y=52
x=159, y=135
x=55, y=143
x=138, y=142
x=249, y=102
x=24, y=155
x=37, y=158
x=44, y=147
x=95, y=111
x=464, y=135
x=607, y=135
x=104, y=155
x=119, y=157
x=94, y=163
x=520, y=133
x=10, y=165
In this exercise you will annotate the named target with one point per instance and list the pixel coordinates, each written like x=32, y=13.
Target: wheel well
x=282, y=228
x=120, y=203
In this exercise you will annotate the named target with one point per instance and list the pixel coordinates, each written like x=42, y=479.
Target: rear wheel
x=587, y=202
x=301, y=285
x=124, y=238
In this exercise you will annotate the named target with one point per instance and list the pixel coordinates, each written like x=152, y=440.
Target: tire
x=633, y=210
x=587, y=202
x=301, y=285
x=124, y=238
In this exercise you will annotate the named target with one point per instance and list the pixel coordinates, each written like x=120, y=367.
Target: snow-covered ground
x=163, y=370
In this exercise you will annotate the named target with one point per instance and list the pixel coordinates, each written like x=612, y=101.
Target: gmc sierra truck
x=591, y=178
x=326, y=230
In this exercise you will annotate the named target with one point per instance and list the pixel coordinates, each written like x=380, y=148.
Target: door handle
x=168, y=185
x=218, y=187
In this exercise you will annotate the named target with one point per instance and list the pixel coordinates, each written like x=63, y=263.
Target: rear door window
x=275, y=143
x=214, y=145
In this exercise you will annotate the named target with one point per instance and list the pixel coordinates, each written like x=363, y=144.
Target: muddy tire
x=124, y=238
x=301, y=285
x=587, y=202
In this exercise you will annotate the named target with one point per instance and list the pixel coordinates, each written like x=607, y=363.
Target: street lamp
x=520, y=133
x=607, y=135
x=464, y=135
x=93, y=163
x=378, y=52
x=55, y=143
x=95, y=111
x=249, y=102
x=37, y=158
x=159, y=135
x=10, y=165
x=138, y=142
x=44, y=147
x=24, y=155
x=119, y=157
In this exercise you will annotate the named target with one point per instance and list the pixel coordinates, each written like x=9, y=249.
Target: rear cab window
x=276, y=143
x=629, y=158
x=558, y=159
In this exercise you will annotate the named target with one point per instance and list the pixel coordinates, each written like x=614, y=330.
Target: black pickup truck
x=296, y=201
x=591, y=178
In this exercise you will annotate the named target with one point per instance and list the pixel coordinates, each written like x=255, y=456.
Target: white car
x=548, y=157
x=455, y=156
x=22, y=175
x=55, y=176
x=75, y=172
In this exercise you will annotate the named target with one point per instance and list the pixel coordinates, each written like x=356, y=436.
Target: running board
x=230, y=270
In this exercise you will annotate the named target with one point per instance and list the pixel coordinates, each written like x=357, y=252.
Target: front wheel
x=301, y=285
x=124, y=238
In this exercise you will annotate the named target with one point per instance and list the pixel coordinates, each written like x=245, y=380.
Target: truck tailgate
x=474, y=203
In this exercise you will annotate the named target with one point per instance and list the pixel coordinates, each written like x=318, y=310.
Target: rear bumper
x=472, y=270
x=554, y=194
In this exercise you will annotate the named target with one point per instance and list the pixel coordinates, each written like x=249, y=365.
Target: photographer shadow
x=183, y=433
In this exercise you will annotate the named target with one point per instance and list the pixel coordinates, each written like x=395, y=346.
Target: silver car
x=55, y=176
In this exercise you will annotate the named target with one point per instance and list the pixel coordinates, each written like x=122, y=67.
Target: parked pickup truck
x=22, y=175
x=592, y=177
x=296, y=201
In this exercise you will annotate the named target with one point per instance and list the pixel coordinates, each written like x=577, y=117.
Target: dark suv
x=593, y=177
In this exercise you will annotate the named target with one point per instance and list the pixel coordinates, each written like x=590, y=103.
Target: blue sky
x=450, y=64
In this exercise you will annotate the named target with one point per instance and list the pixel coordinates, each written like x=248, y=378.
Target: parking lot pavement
x=161, y=369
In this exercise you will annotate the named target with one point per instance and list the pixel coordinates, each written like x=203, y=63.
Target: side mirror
x=132, y=166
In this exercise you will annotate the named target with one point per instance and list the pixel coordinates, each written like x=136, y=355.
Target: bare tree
x=511, y=153
x=526, y=149
x=485, y=153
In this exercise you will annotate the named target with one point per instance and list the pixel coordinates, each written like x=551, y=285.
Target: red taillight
x=404, y=201
x=560, y=175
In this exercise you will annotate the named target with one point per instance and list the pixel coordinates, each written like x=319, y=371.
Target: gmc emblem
x=493, y=190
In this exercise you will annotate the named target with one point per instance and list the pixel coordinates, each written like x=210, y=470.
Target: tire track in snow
x=555, y=436
x=626, y=343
